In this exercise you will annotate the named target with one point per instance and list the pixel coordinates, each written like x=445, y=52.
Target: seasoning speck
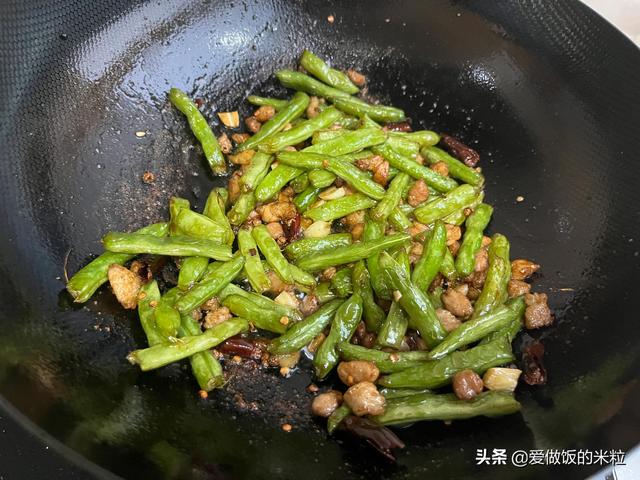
x=141, y=133
x=287, y=427
x=203, y=394
x=387, y=20
x=284, y=371
x=312, y=388
x=284, y=320
x=331, y=19
x=148, y=177
x=237, y=358
x=519, y=198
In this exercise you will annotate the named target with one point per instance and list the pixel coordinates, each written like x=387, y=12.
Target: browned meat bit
x=212, y=304
x=538, y=313
x=356, y=77
x=457, y=303
x=417, y=228
x=459, y=150
x=277, y=211
x=534, y=371
x=225, y=144
x=286, y=195
x=486, y=241
x=404, y=126
x=125, y=285
x=240, y=137
x=454, y=247
x=313, y=109
x=419, y=159
x=243, y=158
x=517, y=288
x=416, y=251
x=216, y=317
x=467, y=384
x=357, y=231
x=234, y=186
x=357, y=371
x=364, y=399
x=277, y=285
x=376, y=164
x=363, y=337
x=447, y=319
x=328, y=274
x=148, y=177
x=418, y=193
x=463, y=288
x=253, y=219
x=309, y=304
x=476, y=279
x=277, y=233
x=454, y=233
x=326, y=403
x=474, y=293
x=142, y=269
x=264, y=113
x=522, y=269
x=252, y=123
x=413, y=341
x=482, y=260
x=440, y=168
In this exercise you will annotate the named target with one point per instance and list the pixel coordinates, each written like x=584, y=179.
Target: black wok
x=546, y=91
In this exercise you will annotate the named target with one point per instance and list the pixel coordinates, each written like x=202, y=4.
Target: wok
x=546, y=91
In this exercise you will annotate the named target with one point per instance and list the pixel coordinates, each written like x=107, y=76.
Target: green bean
x=319, y=69
x=512, y=329
x=272, y=254
x=351, y=253
x=393, y=328
x=252, y=264
x=306, y=198
x=214, y=208
x=367, y=122
x=191, y=224
x=340, y=207
x=448, y=266
x=302, y=333
x=421, y=137
x=473, y=330
x=374, y=231
x=422, y=315
x=256, y=171
x=263, y=302
x=206, y=369
x=302, y=278
x=457, y=169
x=167, y=319
x=343, y=326
x=350, y=141
x=460, y=216
x=343, y=169
x=447, y=407
x=164, y=354
x=407, y=165
x=240, y=210
x=385, y=361
x=253, y=313
x=223, y=193
x=355, y=106
x=275, y=180
x=472, y=240
x=89, y=278
x=207, y=288
x=327, y=135
x=294, y=109
x=399, y=220
x=455, y=200
x=308, y=246
x=494, y=290
x=437, y=373
x=200, y=129
x=175, y=205
x=435, y=297
x=300, y=183
x=321, y=178
x=276, y=103
x=404, y=147
x=324, y=293
x=392, y=393
x=149, y=297
x=342, y=100
x=373, y=314
x=300, y=132
x=336, y=418
x=429, y=263
x=391, y=198
x=135, y=243
x=191, y=270
x=341, y=282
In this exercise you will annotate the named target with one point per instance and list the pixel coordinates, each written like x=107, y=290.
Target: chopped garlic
x=501, y=378
x=230, y=119
x=319, y=229
x=333, y=193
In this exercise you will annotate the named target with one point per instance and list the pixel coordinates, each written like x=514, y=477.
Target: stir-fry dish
x=342, y=235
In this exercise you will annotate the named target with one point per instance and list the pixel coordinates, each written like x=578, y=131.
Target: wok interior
x=519, y=88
